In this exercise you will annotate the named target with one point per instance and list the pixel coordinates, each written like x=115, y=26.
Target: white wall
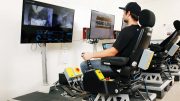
x=20, y=64
x=20, y=68
x=166, y=12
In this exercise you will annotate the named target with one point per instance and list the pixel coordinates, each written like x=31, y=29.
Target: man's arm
x=106, y=53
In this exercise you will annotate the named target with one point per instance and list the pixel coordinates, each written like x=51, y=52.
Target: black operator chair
x=161, y=51
x=126, y=80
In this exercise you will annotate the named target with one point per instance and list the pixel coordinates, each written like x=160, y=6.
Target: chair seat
x=117, y=61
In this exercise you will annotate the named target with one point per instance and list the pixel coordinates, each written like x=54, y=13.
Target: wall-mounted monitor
x=46, y=23
x=101, y=25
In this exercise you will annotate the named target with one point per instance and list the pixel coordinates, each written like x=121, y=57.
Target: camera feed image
x=63, y=18
x=102, y=25
x=37, y=15
x=46, y=23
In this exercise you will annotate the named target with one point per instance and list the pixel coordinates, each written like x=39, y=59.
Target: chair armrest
x=115, y=61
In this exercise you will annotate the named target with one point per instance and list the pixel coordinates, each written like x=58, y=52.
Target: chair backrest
x=147, y=20
x=168, y=42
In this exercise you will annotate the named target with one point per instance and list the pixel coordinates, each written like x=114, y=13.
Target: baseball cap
x=133, y=7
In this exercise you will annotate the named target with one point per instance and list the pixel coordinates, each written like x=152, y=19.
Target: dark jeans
x=96, y=64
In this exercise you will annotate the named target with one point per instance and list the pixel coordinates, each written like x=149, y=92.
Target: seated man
x=123, y=45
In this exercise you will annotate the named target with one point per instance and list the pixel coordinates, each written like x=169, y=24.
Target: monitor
x=107, y=45
x=46, y=23
x=101, y=25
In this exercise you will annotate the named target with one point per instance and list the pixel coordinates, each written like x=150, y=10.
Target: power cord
x=40, y=44
x=145, y=85
x=33, y=48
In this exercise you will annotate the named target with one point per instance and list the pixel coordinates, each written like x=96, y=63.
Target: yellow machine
x=69, y=73
x=77, y=71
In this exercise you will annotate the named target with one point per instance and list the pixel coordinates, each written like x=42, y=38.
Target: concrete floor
x=173, y=94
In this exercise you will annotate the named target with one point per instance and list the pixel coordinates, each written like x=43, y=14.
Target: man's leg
x=96, y=64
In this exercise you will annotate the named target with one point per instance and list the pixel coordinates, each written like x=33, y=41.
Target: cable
x=168, y=68
x=33, y=49
x=145, y=85
x=137, y=74
x=40, y=44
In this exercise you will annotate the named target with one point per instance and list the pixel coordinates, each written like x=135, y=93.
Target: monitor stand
x=94, y=42
x=45, y=87
x=44, y=65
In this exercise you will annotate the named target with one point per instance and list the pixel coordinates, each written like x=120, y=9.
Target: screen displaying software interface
x=107, y=45
x=101, y=25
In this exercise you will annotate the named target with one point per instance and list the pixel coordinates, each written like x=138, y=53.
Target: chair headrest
x=177, y=24
x=147, y=18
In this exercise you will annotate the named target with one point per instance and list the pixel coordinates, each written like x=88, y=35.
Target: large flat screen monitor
x=101, y=25
x=46, y=23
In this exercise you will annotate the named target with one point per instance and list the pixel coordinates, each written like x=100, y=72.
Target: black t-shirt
x=126, y=40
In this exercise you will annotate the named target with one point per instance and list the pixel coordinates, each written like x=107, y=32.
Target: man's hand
x=106, y=53
x=87, y=55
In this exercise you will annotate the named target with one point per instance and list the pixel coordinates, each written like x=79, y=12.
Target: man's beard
x=124, y=24
x=126, y=21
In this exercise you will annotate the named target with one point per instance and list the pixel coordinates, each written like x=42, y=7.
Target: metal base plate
x=125, y=97
x=159, y=89
x=152, y=96
x=176, y=75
